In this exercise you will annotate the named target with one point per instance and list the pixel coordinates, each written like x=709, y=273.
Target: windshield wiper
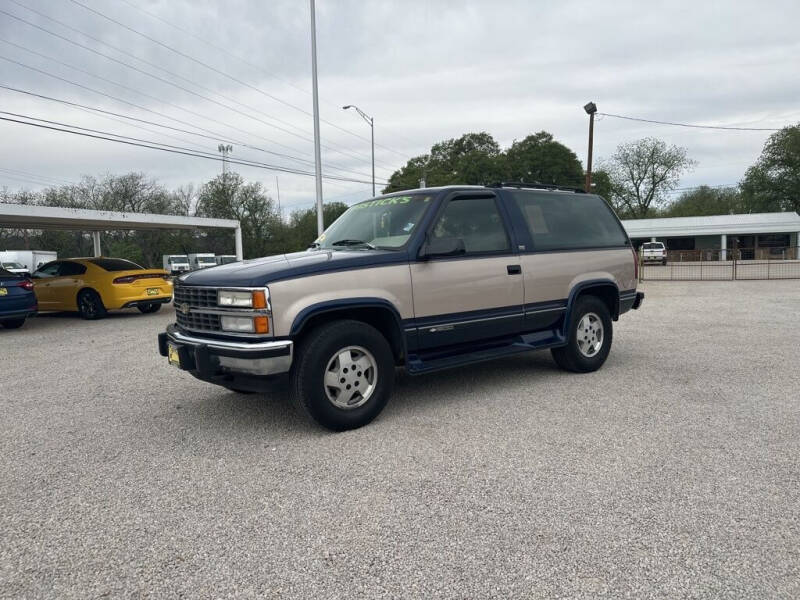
x=353, y=243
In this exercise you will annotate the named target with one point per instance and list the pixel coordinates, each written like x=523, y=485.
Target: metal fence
x=739, y=263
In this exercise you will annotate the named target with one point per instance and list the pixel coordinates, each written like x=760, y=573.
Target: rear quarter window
x=115, y=264
x=560, y=221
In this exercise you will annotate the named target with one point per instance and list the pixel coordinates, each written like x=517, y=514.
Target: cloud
x=425, y=70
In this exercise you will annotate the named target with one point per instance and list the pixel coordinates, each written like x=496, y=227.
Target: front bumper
x=212, y=359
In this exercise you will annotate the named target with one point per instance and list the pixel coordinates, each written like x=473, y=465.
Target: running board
x=445, y=358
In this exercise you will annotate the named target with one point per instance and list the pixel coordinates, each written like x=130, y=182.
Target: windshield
x=179, y=259
x=206, y=261
x=13, y=265
x=382, y=223
x=653, y=246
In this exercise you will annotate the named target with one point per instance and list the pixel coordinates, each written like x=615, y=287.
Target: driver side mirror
x=449, y=246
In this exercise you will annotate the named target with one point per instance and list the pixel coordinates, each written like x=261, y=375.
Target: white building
x=770, y=232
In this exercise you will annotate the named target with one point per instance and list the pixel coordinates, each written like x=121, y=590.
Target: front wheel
x=343, y=374
x=588, y=338
x=13, y=323
x=149, y=308
x=90, y=305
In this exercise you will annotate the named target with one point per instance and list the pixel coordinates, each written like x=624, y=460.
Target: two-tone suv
x=424, y=279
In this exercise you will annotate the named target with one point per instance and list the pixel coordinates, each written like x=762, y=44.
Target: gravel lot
x=672, y=472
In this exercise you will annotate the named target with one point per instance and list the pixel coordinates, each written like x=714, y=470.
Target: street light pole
x=371, y=122
x=315, y=94
x=590, y=109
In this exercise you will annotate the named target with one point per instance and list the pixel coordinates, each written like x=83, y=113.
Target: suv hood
x=261, y=271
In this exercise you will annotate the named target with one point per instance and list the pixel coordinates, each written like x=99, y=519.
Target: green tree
x=302, y=228
x=601, y=184
x=704, y=201
x=773, y=183
x=641, y=174
x=230, y=197
x=539, y=158
x=472, y=159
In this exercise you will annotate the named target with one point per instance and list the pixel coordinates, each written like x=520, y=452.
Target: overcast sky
x=426, y=70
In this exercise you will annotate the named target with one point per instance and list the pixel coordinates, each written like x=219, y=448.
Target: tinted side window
x=71, y=268
x=476, y=221
x=48, y=270
x=565, y=221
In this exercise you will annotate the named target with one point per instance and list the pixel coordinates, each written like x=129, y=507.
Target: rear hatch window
x=115, y=264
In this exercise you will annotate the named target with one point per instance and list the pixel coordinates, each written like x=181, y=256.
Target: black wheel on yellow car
x=149, y=308
x=343, y=374
x=13, y=323
x=90, y=305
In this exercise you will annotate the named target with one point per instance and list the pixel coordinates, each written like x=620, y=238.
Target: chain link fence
x=721, y=265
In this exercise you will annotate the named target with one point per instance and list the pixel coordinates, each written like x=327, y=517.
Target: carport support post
x=238, y=240
x=723, y=245
x=96, y=242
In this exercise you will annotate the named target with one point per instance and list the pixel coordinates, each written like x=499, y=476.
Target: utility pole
x=590, y=109
x=278, y=191
x=371, y=123
x=315, y=95
x=225, y=149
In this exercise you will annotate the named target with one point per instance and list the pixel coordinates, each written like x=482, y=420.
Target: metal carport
x=51, y=217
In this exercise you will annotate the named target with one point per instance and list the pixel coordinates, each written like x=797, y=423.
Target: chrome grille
x=196, y=297
x=189, y=304
x=198, y=321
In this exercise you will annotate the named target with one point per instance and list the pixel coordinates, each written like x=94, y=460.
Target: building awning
x=52, y=217
x=779, y=222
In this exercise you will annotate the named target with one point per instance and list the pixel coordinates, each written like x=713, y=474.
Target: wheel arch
x=605, y=289
x=377, y=312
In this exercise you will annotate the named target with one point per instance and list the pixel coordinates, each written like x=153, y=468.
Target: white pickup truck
x=654, y=252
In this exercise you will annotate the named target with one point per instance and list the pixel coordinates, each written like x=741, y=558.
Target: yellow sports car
x=93, y=286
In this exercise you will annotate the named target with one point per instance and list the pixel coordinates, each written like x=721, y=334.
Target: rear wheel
x=149, y=308
x=90, y=305
x=343, y=374
x=13, y=323
x=588, y=339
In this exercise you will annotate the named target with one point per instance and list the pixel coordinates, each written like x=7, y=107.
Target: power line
x=239, y=58
x=215, y=137
x=151, y=145
x=171, y=74
x=218, y=71
x=176, y=106
x=138, y=70
x=37, y=176
x=724, y=128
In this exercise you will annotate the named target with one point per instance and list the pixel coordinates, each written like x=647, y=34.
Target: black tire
x=90, y=305
x=664, y=262
x=570, y=357
x=149, y=308
x=13, y=323
x=311, y=360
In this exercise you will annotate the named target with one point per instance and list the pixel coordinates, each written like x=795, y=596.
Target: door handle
x=514, y=269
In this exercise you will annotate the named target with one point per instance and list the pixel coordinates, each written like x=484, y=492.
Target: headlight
x=245, y=324
x=243, y=299
x=231, y=298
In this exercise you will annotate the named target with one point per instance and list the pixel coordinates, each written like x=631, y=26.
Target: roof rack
x=536, y=185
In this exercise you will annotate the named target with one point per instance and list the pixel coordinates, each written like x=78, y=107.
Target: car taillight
x=127, y=279
x=635, y=264
x=26, y=285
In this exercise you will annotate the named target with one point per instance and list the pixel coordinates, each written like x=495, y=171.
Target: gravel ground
x=672, y=472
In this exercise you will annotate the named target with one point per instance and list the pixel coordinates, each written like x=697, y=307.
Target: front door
x=477, y=295
x=42, y=285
